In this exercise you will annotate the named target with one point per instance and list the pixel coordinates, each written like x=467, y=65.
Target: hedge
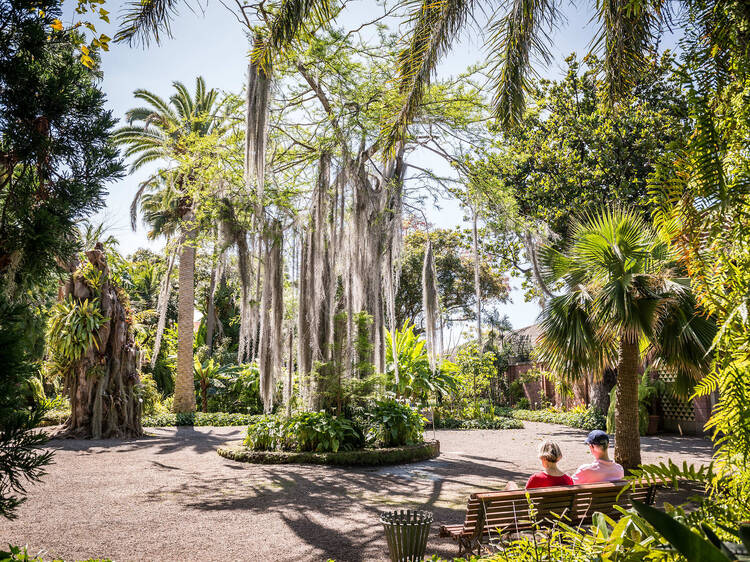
x=361, y=457
x=495, y=423
x=216, y=419
x=590, y=419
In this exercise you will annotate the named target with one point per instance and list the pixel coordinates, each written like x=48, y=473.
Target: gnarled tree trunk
x=101, y=384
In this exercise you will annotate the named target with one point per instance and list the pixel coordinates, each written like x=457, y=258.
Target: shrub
x=266, y=433
x=216, y=419
x=496, y=423
x=321, y=432
x=579, y=417
x=392, y=424
x=308, y=431
x=148, y=393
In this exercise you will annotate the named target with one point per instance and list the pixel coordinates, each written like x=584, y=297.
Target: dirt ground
x=169, y=496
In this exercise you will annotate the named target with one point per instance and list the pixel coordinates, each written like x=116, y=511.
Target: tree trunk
x=204, y=396
x=478, y=297
x=272, y=314
x=216, y=273
x=627, y=436
x=101, y=384
x=600, y=389
x=184, y=388
x=477, y=287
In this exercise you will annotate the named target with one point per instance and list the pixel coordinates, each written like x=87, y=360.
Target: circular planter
x=361, y=457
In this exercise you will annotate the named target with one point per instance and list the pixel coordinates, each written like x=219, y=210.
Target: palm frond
x=435, y=25
x=159, y=103
x=628, y=31
x=516, y=39
x=285, y=27
x=144, y=20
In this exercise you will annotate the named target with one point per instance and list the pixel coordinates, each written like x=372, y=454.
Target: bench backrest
x=509, y=511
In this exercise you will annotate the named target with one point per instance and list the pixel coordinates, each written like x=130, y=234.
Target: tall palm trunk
x=184, y=390
x=478, y=296
x=627, y=436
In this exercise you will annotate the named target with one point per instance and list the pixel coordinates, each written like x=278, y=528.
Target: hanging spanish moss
x=257, y=100
x=272, y=314
x=375, y=218
x=315, y=285
x=431, y=307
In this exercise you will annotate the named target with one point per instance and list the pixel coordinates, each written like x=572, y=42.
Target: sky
x=210, y=42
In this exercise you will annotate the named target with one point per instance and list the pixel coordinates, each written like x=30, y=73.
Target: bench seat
x=508, y=511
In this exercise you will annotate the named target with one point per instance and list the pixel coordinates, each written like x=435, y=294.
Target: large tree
x=56, y=159
x=166, y=131
x=621, y=295
x=574, y=153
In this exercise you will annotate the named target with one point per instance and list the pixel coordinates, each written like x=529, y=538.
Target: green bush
x=321, y=432
x=217, y=419
x=579, y=417
x=21, y=554
x=266, y=433
x=359, y=457
x=391, y=424
x=308, y=431
x=496, y=423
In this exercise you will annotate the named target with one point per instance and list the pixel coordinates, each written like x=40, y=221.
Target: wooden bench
x=508, y=511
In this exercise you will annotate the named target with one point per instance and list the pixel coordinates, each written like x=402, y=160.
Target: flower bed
x=359, y=457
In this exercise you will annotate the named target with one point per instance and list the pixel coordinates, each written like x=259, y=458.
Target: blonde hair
x=549, y=451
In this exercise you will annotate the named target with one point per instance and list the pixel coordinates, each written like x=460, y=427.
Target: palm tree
x=161, y=131
x=623, y=304
x=515, y=37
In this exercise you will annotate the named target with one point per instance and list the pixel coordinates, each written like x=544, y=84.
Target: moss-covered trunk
x=101, y=385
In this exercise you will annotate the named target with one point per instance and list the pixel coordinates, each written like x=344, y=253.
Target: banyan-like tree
x=163, y=131
x=92, y=347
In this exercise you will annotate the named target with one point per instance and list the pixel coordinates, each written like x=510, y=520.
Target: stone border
x=361, y=457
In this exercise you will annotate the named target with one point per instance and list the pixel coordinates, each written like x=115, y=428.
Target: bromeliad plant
x=72, y=330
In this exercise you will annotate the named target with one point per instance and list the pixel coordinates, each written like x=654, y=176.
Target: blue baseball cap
x=598, y=437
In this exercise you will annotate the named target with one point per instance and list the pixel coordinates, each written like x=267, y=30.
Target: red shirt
x=542, y=480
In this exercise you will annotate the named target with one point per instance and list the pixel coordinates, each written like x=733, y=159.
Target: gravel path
x=169, y=496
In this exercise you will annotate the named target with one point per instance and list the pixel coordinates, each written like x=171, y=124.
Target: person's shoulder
x=567, y=479
x=535, y=479
x=588, y=466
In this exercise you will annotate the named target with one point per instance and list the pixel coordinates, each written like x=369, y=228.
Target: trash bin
x=406, y=532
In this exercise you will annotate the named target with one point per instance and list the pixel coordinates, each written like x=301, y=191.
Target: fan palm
x=623, y=303
x=159, y=131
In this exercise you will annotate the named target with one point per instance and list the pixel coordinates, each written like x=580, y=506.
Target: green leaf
x=691, y=545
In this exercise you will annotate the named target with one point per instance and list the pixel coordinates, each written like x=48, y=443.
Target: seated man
x=602, y=469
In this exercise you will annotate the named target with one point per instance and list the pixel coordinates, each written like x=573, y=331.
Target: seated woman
x=549, y=455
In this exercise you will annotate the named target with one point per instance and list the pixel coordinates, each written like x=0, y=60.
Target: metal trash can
x=406, y=532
